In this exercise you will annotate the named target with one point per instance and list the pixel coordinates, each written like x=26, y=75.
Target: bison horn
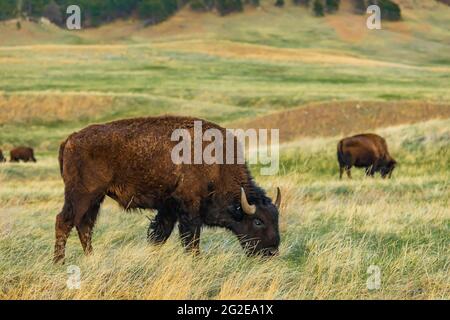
x=248, y=208
x=278, y=200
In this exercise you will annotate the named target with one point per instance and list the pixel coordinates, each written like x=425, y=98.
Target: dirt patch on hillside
x=342, y=118
x=348, y=26
x=27, y=108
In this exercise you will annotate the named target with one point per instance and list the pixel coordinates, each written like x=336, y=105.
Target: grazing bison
x=130, y=162
x=2, y=158
x=22, y=153
x=365, y=151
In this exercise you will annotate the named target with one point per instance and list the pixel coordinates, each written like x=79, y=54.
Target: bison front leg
x=190, y=235
x=370, y=171
x=348, y=171
x=161, y=227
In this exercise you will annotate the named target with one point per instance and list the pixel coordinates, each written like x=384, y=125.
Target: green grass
x=332, y=230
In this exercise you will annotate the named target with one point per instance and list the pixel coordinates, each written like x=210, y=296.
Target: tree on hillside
x=254, y=3
x=332, y=6
x=8, y=10
x=359, y=6
x=279, y=3
x=33, y=8
x=201, y=5
x=52, y=12
x=151, y=10
x=120, y=8
x=225, y=7
x=318, y=8
x=154, y=11
x=301, y=2
x=389, y=9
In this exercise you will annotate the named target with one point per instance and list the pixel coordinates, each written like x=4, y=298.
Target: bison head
x=388, y=168
x=256, y=225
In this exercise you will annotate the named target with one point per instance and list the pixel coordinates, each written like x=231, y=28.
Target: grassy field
x=239, y=71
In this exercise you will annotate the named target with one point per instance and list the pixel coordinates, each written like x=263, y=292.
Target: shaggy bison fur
x=24, y=154
x=130, y=162
x=367, y=151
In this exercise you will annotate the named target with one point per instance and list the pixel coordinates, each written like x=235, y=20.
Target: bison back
x=22, y=153
x=131, y=161
x=361, y=150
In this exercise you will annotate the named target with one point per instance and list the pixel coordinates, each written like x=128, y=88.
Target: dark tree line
x=320, y=7
x=389, y=9
x=96, y=12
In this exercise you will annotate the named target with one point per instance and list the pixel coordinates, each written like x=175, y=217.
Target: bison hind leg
x=86, y=225
x=190, y=235
x=79, y=210
x=63, y=225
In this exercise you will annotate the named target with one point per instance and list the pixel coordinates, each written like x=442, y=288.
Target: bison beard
x=130, y=161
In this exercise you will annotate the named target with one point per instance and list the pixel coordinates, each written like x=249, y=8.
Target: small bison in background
x=22, y=153
x=130, y=162
x=367, y=151
x=2, y=158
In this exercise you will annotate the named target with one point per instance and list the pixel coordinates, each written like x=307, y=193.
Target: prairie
x=314, y=79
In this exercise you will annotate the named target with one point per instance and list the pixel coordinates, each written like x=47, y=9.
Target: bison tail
x=340, y=154
x=60, y=156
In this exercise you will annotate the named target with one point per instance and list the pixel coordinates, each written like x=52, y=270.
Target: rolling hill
x=315, y=79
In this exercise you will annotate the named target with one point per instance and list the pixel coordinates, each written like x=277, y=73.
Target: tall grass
x=332, y=232
x=231, y=70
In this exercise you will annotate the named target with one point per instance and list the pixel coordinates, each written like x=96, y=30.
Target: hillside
x=315, y=79
x=349, y=117
x=422, y=35
x=228, y=69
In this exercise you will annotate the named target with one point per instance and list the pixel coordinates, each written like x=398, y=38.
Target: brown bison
x=22, y=153
x=2, y=158
x=367, y=151
x=130, y=162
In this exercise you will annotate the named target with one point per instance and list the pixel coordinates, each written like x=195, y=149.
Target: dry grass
x=26, y=108
x=244, y=51
x=332, y=231
x=230, y=70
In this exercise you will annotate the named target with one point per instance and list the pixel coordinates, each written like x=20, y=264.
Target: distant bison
x=2, y=158
x=130, y=162
x=22, y=153
x=368, y=151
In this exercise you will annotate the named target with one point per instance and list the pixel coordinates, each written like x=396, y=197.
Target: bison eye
x=258, y=223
